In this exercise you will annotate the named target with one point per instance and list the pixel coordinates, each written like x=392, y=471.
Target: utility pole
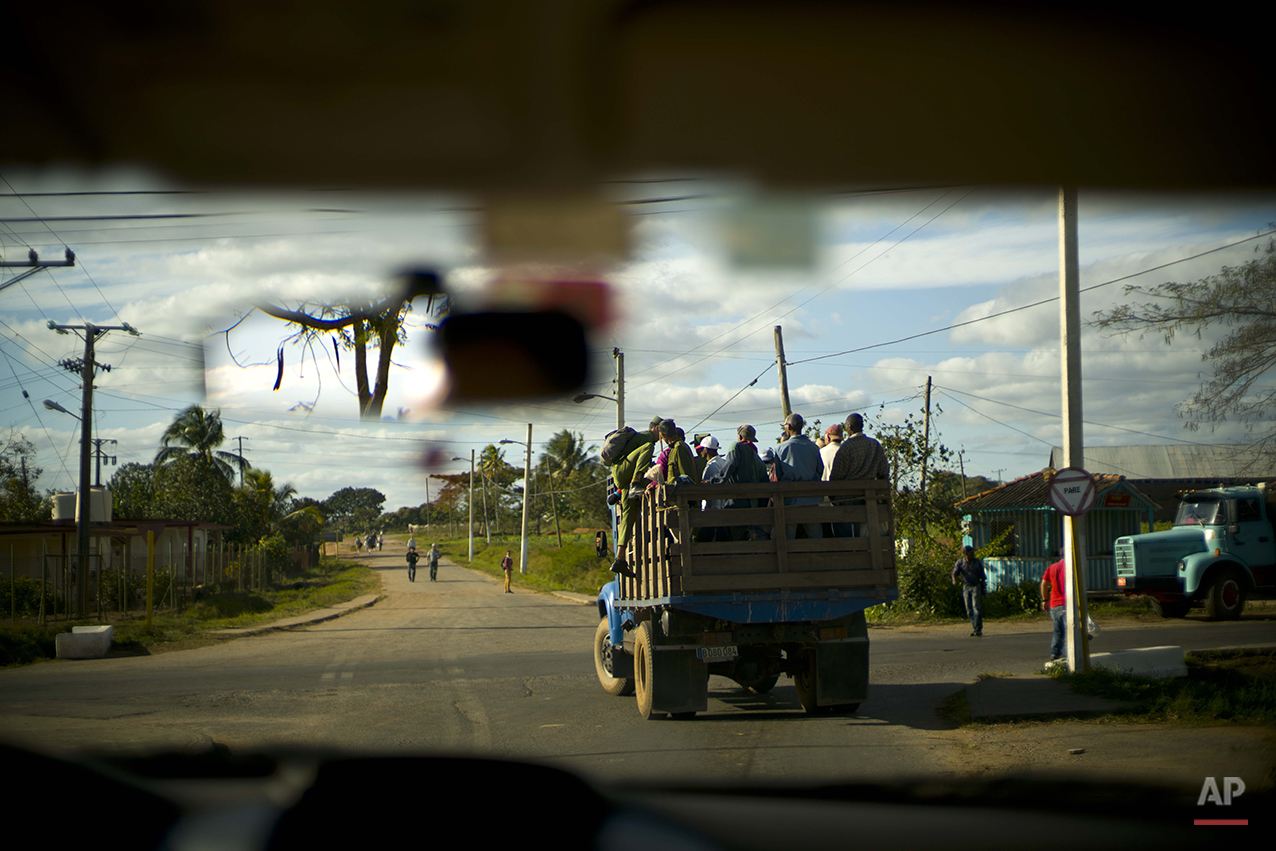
x=241, y=458
x=471, y=505
x=925, y=446
x=784, y=376
x=85, y=513
x=961, y=459
x=33, y=264
x=527, y=483
x=1073, y=452
x=620, y=387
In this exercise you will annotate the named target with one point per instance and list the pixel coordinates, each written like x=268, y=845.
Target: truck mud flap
x=680, y=682
x=841, y=671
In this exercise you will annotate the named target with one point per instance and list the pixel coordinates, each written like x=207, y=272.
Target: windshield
x=274, y=397
x=1204, y=512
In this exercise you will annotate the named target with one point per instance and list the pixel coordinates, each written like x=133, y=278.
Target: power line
x=816, y=295
x=1056, y=416
x=1033, y=304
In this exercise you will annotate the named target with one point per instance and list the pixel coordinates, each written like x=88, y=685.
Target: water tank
x=100, y=500
x=64, y=506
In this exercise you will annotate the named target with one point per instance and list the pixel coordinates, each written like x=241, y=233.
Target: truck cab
x=1221, y=549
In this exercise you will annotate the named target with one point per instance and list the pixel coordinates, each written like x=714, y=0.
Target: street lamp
x=527, y=484
x=619, y=398
x=54, y=406
x=458, y=458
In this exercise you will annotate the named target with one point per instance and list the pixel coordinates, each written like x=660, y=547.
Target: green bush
x=925, y=583
x=1016, y=600
x=278, y=555
x=24, y=592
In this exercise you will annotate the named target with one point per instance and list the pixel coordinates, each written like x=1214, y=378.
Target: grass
x=1236, y=687
x=1232, y=687
x=330, y=583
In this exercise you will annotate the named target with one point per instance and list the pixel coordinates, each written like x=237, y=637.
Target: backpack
x=614, y=445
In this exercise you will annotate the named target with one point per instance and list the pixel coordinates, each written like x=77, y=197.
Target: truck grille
x=1124, y=557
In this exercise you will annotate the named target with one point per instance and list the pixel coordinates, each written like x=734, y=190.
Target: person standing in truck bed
x=859, y=457
x=797, y=459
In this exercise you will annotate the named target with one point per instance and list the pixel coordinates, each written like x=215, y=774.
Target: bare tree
x=353, y=326
x=1241, y=298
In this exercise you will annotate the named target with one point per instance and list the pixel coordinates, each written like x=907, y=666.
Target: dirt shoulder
x=1113, y=750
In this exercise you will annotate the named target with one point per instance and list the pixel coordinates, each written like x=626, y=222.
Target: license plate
x=714, y=654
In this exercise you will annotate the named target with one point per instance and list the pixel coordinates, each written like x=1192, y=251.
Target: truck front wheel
x=608, y=660
x=1226, y=599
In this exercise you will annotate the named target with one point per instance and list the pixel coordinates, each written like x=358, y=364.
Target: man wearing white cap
x=715, y=467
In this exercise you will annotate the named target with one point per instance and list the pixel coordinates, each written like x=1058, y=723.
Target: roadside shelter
x=1020, y=510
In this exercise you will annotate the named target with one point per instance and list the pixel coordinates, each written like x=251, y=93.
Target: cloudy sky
x=695, y=321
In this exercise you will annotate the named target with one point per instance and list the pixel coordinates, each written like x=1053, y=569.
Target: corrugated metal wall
x=1038, y=536
x=1009, y=572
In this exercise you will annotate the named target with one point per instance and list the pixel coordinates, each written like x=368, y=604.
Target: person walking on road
x=507, y=564
x=1055, y=603
x=412, y=542
x=974, y=586
x=413, y=558
x=433, y=557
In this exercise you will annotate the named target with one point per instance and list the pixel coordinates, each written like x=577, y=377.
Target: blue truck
x=1221, y=550
x=745, y=602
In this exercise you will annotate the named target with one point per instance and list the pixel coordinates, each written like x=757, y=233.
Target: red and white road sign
x=1072, y=491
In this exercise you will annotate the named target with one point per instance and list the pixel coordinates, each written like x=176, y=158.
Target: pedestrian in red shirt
x=1054, y=602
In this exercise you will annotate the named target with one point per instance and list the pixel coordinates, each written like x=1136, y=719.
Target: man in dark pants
x=974, y=586
x=1055, y=602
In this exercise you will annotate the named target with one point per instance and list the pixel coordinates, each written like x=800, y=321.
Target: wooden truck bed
x=670, y=563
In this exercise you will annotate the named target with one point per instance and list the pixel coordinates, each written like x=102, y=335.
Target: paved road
x=458, y=666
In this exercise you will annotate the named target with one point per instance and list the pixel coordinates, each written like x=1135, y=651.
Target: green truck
x=1221, y=550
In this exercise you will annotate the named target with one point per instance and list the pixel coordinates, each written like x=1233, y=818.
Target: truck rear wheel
x=606, y=663
x=644, y=672
x=804, y=682
x=1226, y=598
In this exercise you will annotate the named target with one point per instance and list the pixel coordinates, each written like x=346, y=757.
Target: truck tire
x=1226, y=597
x=804, y=682
x=1170, y=610
x=604, y=663
x=644, y=670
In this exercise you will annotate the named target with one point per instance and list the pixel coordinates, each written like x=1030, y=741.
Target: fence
x=45, y=587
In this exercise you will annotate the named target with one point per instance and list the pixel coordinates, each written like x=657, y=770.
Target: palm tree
x=196, y=433
x=491, y=464
x=565, y=454
x=276, y=500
